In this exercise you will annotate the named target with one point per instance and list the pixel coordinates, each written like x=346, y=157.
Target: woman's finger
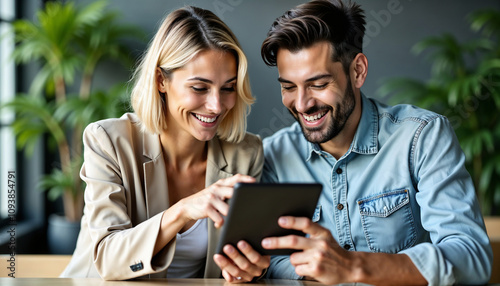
x=232, y=271
x=241, y=262
x=231, y=181
x=253, y=256
x=215, y=216
x=221, y=192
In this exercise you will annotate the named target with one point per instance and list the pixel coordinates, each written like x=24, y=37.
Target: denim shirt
x=401, y=188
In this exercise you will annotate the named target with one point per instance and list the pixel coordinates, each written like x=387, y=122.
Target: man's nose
x=304, y=100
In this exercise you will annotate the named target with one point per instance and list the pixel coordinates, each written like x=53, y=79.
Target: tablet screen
x=254, y=210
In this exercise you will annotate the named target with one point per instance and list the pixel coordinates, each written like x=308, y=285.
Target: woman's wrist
x=175, y=214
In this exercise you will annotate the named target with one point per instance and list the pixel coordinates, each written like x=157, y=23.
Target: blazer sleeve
x=120, y=250
x=258, y=163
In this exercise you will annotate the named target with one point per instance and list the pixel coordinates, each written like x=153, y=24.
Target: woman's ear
x=359, y=70
x=161, y=80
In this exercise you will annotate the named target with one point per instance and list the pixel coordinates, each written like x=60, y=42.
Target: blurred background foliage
x=464, y=86
x=68, y=42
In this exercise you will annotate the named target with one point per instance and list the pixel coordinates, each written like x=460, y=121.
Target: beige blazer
x=127, y=193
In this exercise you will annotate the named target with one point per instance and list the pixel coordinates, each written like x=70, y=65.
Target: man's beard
x=339, y=117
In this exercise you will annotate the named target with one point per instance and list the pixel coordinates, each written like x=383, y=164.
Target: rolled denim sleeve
x=460, y=251
x=281, y=268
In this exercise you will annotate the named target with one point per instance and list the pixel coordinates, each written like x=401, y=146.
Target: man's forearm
x=386, y=269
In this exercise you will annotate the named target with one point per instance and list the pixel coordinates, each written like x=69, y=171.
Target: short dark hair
x=342, y=25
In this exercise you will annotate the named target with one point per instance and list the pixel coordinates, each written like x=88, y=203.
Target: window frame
x=8, y=81
x=31, y=216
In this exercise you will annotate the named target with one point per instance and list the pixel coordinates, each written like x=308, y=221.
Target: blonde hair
x=182, y=35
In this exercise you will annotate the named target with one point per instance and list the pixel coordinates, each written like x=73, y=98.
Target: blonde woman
x=157, y=179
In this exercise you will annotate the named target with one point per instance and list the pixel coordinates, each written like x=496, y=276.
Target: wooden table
x=151, y=282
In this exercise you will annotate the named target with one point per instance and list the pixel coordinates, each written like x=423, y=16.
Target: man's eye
x=287, y=87
x=319, y=85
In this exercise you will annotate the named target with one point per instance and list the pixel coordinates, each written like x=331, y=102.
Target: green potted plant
x=465, y=87
x=68, y=41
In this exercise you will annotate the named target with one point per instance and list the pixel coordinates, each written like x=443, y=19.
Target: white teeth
x=315, y=117
x=205, y=119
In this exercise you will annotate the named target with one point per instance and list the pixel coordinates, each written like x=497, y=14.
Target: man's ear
x=161, y=81
x=359, y=70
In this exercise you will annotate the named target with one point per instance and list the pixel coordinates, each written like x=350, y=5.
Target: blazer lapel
x=216, y=162
x=155, y=176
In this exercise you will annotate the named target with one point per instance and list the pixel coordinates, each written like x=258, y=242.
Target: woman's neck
x=182, y=152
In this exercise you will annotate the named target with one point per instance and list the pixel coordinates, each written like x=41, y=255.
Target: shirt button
x=339, y=171
x=340, y=207
x=347, y=246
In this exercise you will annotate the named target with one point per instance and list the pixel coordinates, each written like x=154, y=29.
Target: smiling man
x=398, y=205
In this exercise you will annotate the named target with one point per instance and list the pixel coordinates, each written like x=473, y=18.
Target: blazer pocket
x=387, y=221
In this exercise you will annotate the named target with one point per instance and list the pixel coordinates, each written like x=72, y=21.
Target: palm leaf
x=487, y=20
x=56, y=183
x=68, y=41
x=82, y=111
x=31, y=112
x=446, y=56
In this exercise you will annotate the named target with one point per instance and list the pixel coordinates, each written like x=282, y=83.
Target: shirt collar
x=365, y=139
x=313, y=148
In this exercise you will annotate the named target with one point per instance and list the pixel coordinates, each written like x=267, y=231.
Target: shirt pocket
x=387, y=221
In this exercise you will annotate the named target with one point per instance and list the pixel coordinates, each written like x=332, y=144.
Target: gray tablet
x=254, y=210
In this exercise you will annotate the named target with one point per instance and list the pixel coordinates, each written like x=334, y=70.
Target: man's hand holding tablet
x=254, y=210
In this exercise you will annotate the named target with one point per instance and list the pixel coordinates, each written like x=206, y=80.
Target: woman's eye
x=228, y=88
x=199, y=89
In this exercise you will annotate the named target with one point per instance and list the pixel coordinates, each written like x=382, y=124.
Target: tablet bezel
x=254, y=210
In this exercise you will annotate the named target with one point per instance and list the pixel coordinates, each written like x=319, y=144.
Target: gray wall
x=393, y=27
